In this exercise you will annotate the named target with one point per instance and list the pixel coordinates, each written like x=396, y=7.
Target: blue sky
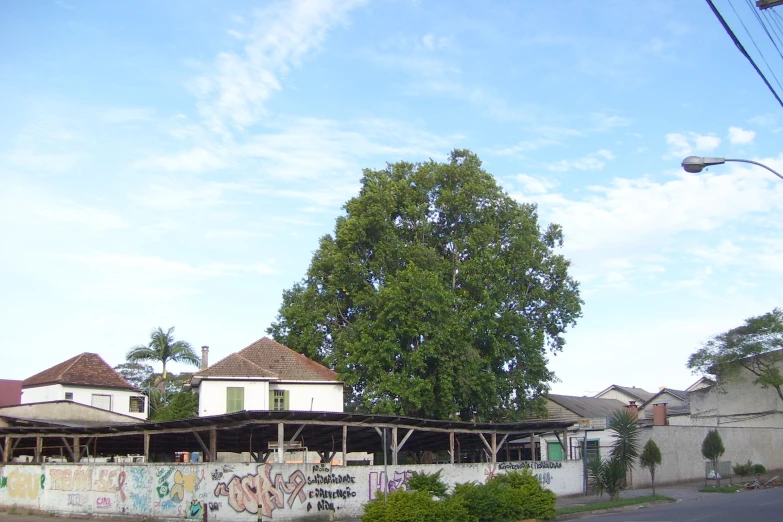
x=174, y=163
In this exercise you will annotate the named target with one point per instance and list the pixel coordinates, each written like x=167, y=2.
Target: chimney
x=204, y=357
x=659, y=414
x=632, y=408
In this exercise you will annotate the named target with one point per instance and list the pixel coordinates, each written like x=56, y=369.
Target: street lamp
x=695, y=164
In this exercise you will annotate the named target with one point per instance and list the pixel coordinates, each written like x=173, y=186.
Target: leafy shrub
x=759, y=469
x=606, y=476
x=412, y=506
x=743, y=470
x=429, y=483
x=506, y=498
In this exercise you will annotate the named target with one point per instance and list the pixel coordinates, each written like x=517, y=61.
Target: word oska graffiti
x=23, y=485
x=379, y=482
x=546, y=464
x=103, y=503
x=261, y=492
x=80, y=479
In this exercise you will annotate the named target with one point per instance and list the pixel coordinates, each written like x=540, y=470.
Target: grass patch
x=722, y=489
x=612, y=504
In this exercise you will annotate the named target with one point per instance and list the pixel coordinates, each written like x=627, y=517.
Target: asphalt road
x=746, y=506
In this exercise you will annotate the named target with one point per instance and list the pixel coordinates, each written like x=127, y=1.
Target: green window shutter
x=235, y=399
x=554, y=449
x=285, y=400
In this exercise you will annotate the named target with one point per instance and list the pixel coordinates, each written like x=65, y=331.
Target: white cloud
x=535, y=185
x=739, y=136
x=685, y=144
x=593, y=161
x=194, y=160
x=233, y=91
x=158, y=268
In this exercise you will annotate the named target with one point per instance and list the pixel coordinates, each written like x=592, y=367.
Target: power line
x=755, y=44
x=742, y=50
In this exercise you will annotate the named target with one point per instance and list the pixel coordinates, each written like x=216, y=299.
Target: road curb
x=620, y=509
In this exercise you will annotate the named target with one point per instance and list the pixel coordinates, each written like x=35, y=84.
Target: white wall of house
x=604, y=440
x=212, y=395
x=619, y=395
x=110, y=399
x=327, y=396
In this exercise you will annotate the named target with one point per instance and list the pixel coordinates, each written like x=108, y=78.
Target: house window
x=68, y=396
x=136, y=404
x=278, y=400
x=101, y=401
x=593, y=449
x=235, y=399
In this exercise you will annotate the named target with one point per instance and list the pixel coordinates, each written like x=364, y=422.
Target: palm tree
x=163, y=348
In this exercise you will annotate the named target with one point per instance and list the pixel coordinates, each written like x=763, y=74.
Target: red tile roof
x=268, y=359
x=87, y=369
x=10, y=392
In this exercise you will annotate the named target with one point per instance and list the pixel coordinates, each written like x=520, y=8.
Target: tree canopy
x=438, y=295
x=163, y=348
x=753, y=346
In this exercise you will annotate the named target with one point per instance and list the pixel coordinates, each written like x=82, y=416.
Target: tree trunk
x=652, y=478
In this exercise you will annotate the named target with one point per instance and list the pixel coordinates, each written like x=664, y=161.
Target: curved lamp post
x=695, y=164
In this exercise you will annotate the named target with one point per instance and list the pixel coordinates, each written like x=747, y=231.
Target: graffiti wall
x=237, y=492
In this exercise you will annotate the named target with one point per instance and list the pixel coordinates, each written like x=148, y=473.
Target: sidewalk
x=686, y=491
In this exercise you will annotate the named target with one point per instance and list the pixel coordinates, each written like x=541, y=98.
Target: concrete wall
x=737, y=401
x=236, y=492
x=65, y=410
x=681, y=451
x=576, y=438
x=302, y=396
x=120, y=399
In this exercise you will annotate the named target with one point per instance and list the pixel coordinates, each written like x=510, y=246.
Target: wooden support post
x=345, y=444
x=451, y=446
x=146, y=447
x=280, y=443
x=494, y=447
x=77, y=450
x=565, y=445
x=207, y=455
x=394, y=446
x=38, y=449
x=213, y=444
x=533, y=447
x=7, y=450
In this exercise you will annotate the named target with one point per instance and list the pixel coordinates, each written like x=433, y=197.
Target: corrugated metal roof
x=587, y=407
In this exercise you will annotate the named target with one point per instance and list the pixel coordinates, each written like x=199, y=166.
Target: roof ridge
x=75, y=360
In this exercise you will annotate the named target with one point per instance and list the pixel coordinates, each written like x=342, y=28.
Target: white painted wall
x=312, y=396
x=575, y=438
x=236, y=492
x=620, y=396
x=120, y=399
x=212, y=395
x=302, y=396
x=737, y=402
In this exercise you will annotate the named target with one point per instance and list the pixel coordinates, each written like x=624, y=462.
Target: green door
x=554, y=449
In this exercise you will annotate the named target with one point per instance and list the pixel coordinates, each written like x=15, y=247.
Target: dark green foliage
x=140, y=375
x=753, y=347
x=163, y=348
x=759, y=469
x=182, y=405
x=506, y=498
x=606, y=476
x=624, y=426
x=743, y=470
x=411, y=506
x=429, y=483
x=437, y=296
x=712, y=449
x=650, y=459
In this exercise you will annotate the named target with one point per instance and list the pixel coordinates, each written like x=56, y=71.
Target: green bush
x=429, y=483
x=743, y=470
x=412, y=506
x=759, y=469
x=506, y=498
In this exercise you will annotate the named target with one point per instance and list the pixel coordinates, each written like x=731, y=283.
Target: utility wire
x=742, y=50
x=773, y=23
x=763, y=26
x=755, y=45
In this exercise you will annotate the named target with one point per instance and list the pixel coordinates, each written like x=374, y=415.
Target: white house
x=266, y=376
x=628, y=395
x=86, y=379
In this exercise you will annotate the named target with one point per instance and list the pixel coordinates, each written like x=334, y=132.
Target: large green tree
x=437, y=296
x=753, y=346
x=163, y=348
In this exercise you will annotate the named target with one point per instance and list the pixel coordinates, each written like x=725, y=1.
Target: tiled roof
x=268, y=359
x=587, y=407
x=87, y=369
